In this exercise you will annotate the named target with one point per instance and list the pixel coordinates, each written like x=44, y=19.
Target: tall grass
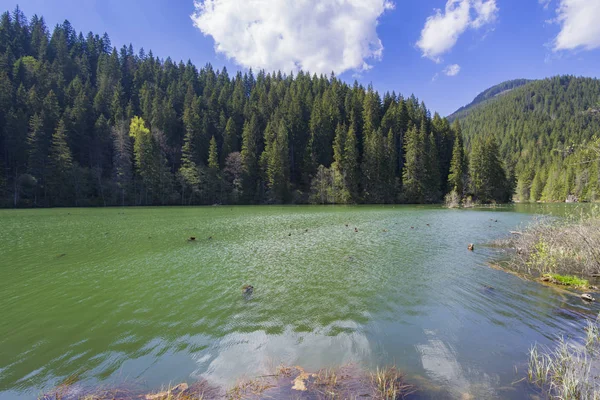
x=569, y=370
x=389, y=384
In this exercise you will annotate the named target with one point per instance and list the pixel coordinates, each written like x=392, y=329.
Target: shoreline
x=349, y=381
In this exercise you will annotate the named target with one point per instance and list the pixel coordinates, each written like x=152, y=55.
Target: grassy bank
x=348, y=382
x=561, y=251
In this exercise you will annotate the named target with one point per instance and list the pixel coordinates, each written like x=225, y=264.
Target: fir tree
x=458, y=168
x=61, y=166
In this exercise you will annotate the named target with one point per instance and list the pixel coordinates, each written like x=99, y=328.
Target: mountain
x=547, y=131
x=486, y=95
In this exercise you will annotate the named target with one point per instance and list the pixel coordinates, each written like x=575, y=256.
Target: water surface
x=122, y=295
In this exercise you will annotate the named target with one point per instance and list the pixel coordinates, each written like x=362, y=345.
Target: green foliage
x=61, y=166
x=139, y=130
x=545, y=131
x=414, y=166
x=543, y=257
x=213, y=155
x=489, y=182
x=569, y=280
x=458, y=167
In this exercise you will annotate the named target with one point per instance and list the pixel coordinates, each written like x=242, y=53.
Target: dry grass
x=326, y=383
x=565, y=247
x=198, y=391
x=249, y=388
x=569, y=370
x=346, y=382
x=389, y=384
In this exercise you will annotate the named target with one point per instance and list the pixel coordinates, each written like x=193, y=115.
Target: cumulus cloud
x=442, y=30
x=579, y=25
x=452, y=70
x=319, y=36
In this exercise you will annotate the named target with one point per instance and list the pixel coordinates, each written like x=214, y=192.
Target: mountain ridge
x=489, y=94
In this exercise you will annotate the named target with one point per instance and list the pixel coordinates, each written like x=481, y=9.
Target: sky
x=443, y=51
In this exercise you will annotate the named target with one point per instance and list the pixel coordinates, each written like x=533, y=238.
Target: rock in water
x=587, y=297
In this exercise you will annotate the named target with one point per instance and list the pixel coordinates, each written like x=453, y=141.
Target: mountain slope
x=544, y=129
x=486, y=95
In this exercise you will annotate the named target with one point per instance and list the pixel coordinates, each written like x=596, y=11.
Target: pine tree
x=458, y=168
x=488, y=177
x=390, y=164
x=38, y=148
x=432, y=171
x=147, y=159
x=213, y=155
x=414, y=166
x=230, y=139
x=342, y=195
x=189, y=175
x=61, y=167
x=350, y=166
x=122, y=161
x=278, y=165
x=250, y=137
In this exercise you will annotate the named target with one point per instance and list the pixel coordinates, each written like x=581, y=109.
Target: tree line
x=85, y=124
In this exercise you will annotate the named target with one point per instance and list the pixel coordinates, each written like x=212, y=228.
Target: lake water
x=122, y=295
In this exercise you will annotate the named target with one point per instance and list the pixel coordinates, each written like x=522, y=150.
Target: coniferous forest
x=548, y=133
x=86, y=124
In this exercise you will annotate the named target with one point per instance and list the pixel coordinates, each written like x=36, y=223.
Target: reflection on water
x=442, y=366
x=257, y=353
x=123, y=295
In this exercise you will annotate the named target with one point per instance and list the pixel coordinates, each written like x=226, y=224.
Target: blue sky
x=407, y=44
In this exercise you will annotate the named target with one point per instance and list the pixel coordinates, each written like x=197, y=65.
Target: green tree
x=250, y=177
x=122, y=162
x=147, y=160
x=61, y=167
x=488, y=177
x=458, y=167
x=414, y=166
x=278, y=170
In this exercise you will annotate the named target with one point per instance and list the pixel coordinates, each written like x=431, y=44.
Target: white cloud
x=580, y=27
x=319, y=36
x=442, y=30
x=452, y=70
x=545, y=3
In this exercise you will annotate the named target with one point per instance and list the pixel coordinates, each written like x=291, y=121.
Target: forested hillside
x=487, y=95
x=547, y=131
x=85, y=124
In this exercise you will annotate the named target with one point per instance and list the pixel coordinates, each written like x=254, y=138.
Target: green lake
x=121, y=295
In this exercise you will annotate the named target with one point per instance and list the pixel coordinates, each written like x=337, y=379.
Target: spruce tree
x=213, y=155
x=351, y=166
x=278, y=167
x=250, y=177
x=61, y=167
x=414, y=166
x=456, y=178
x=432, y=171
